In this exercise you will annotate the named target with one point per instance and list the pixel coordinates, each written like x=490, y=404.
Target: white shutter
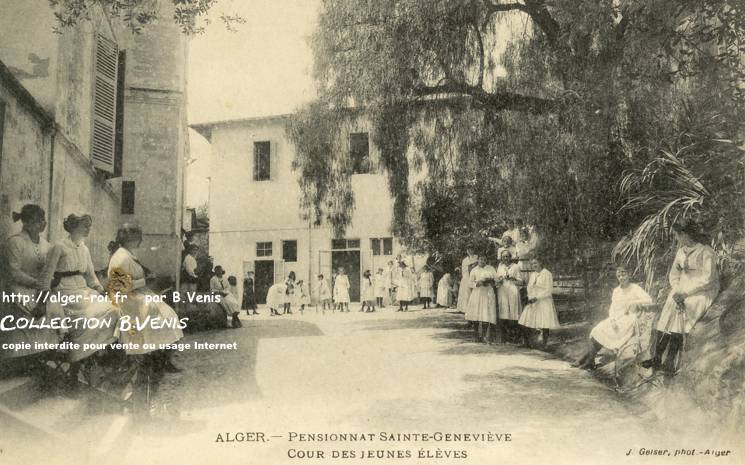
x=104, y=104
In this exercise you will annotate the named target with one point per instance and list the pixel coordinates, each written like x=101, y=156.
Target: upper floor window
x=262, y=161
x=382, y=245
x=289, y=251
x=263, y=249
x=359, y=152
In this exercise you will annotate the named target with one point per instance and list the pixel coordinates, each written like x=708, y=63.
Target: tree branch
x=497, y=101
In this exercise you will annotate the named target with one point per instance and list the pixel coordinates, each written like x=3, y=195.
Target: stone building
x=255, y=213
x=93, y=120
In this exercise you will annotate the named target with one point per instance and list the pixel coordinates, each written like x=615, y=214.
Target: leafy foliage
x=189, y=15
x=476, y=126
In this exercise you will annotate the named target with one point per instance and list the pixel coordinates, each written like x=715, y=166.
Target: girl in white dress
x=540, y=312
x=69, y=273
x=616, y=330
x=426, y=285
x=509, y=280
x=694, y=284
x=127, y=275
x=341, y=290
x=368, y=292
x=482, y=303
x=443, y=291
x=301, y=297
x=24, y=258
x=465, y=283
x=404, y=290
x=381, y=289
x=324, y=293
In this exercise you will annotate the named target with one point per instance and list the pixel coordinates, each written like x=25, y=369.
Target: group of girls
x=283, y=296
x=512, y=299
x=37, y=269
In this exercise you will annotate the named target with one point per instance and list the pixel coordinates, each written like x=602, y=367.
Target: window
x=289, y=251
x=105, y=82
x=359, y=152
x=128, y=197
x=262, y=161
x=263, y=249
x=382, y=246
x=342, y=244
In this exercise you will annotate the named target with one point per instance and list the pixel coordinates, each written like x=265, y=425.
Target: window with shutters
x=289, y=251
x=128, y=197
x=359, y=152
x=262, y=161
x=105, y=81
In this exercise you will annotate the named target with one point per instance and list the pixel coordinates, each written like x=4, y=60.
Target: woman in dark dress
x=249, y=296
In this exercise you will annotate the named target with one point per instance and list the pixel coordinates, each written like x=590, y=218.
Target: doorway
x=264, y=272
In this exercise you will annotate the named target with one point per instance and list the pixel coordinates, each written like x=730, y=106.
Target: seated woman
x=220, y=286
x=694, y=283
x=127, y=275
x=69, y=273
x=24, y=257
x=616, y=330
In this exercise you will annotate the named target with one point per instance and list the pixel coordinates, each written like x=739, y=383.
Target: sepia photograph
x=372, y=231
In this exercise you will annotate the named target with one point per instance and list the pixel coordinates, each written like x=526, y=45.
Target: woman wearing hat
x=694, y=283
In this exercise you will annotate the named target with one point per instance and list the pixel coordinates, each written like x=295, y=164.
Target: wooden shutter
x=273, y=161
x=103, y=141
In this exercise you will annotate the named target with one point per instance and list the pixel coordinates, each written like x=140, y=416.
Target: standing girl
x=509, y=280
x=443, y=291
x=540, y=312
x=465, y=283
x=249, y=295
x=301, y=295
x=324, y=294
x=381, y=287
x=426, y=285
x=404, y=291
x=290, y=282
x=482, y=302
x=368, y=292
x=341, y=290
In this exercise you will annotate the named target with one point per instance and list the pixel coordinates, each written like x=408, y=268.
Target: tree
x=189, y=15
x=542, y=124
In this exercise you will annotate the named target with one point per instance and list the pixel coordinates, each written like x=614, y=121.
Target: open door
x=264, y=270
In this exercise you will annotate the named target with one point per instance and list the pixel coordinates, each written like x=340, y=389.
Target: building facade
x=255, y=215
x=93, y=120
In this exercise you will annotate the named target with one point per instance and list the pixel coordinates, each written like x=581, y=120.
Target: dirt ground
x=389, y=373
